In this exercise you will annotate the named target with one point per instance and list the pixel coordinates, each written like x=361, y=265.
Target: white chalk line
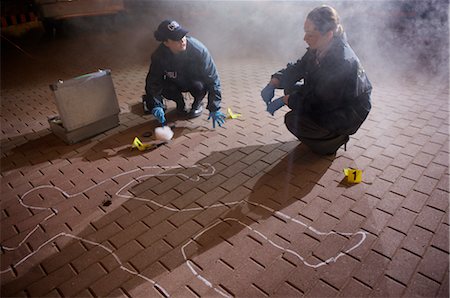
x=219, y=221
x=155, y=284
x=67, y=195
x=187, y=261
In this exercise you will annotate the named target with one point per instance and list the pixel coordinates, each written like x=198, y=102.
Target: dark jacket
x=336, y=91
x=194, y=64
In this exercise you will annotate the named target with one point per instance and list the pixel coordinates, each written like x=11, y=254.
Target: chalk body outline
x=209, y=171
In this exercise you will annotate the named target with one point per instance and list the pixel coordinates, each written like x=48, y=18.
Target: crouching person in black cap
x=327, y=90
x=181, y=64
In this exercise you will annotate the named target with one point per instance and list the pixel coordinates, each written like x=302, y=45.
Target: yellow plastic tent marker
x=232, y=115
x=138, y=144
x=353, y=175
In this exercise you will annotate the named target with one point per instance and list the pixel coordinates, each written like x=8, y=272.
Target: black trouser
x=173, y=91
x=319, y=139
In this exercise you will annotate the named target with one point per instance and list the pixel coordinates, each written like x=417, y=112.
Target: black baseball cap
x=170, y=29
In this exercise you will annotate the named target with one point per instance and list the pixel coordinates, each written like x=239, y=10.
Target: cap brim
x=179, y=34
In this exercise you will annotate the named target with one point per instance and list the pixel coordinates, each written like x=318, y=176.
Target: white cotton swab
x=164, y=133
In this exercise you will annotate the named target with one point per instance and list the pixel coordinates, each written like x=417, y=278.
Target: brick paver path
x=243, y=210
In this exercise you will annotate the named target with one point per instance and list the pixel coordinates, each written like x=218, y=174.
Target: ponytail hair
x=325, y=18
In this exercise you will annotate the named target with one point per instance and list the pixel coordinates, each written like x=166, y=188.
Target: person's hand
x=275, y=105
x=217, y=117
x=267, y=93
x=158, y=112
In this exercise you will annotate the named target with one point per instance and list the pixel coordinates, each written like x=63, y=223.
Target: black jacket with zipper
x=336, y=90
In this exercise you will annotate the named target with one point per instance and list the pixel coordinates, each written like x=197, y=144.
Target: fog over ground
x=386, y=35
x=391, y=37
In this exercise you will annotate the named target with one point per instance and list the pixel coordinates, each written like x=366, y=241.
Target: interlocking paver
x=390, y=203
x=444, y=288
x=274, y=275
x=322, y=289
x=354, y=288
x=402, y=220
x=388, y=242
x=150, y=254
x=377, y=221
x=417, y=240
x=415, y=201
x=402, y=160
x=69, y=253
x=388, y=287
x=77, y=284
x=107, y=283
x=425, y=184
x=340, y=206
x=51, y=281
x=444, y=182
x=93, y=255
x=403, y=266
x=421, y=286
x=440, y=238
x=401, y=205
x=423, y=159
x=371, y=268
x=14, y=287
x=429, y=218
x=432, y=266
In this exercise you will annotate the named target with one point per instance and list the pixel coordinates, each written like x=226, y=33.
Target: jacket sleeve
x=293, y=72
x=212, y=80
x=154, y=83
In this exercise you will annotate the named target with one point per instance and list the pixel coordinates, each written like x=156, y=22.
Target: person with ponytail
x=180, y=64
x=327, y=90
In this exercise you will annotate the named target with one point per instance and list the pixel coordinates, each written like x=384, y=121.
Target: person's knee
x=172, y=92
x=291, y=122
x=198, y=89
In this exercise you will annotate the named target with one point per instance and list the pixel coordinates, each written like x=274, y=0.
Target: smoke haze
x=389, y=37
x=386, y=35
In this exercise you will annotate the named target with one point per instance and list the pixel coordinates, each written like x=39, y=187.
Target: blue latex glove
x=217, y=117
x=158, y=112
x=268, y=93
x=275, y=105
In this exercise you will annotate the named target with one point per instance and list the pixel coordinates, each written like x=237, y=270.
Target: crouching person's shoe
x=327, y=146
x=194, y=113
x=145, y=107
x=196, y=110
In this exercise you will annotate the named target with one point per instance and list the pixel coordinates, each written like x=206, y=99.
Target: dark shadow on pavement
x=237, y=204
x=44, y=146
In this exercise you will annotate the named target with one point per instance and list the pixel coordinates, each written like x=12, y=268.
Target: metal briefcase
x=87, y=106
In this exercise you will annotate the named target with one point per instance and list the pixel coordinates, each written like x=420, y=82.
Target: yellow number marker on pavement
x=353, y=175
x=232, y=115
x=138, y=144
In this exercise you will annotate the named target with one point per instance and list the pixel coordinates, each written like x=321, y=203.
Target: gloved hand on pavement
x=158, y=112
x=217, y=117
x=267, y=93
x=275, y=105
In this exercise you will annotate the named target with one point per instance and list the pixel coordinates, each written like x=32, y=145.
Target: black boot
x=197, y=108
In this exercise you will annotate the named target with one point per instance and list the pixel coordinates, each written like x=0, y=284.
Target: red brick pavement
x=243, y=210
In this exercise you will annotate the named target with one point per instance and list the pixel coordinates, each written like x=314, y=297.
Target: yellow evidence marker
x=232, y=115
x=353, y=175
x=141, y=146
